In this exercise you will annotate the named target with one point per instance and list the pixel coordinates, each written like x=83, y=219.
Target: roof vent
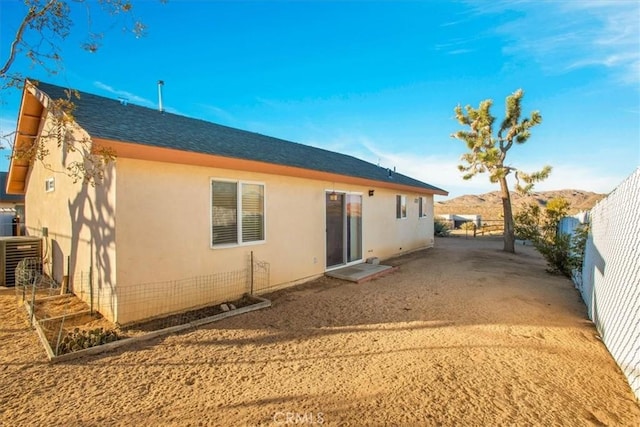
x=160, y=84
x=123, y=101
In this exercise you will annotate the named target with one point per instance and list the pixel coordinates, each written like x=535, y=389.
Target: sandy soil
x=461, y=334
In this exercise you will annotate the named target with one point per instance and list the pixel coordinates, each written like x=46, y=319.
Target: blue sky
x=378, y=80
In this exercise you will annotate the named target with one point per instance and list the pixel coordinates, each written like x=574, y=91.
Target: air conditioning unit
x=12, y=251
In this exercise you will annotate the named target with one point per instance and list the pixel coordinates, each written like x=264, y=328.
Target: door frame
x=346, y=236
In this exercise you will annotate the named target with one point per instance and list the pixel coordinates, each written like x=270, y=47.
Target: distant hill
x=489, y=205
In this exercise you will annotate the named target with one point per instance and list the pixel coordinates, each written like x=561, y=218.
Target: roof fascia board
x=144, y=152
x=18, y=168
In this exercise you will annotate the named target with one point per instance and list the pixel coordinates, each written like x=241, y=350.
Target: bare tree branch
x=44, y=25
x=32, y=15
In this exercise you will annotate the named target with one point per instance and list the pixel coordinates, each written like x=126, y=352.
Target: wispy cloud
x=133, y=98
x=7, y=129
x=437, y=170
x=458, y=46
x=571, y=176
x=459, y=51
x=7, y=125
x=564, y=36
x=442, y=170
x=218, y=114
x=130, y=97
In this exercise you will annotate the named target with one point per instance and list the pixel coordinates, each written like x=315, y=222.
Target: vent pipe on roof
x=160, y=84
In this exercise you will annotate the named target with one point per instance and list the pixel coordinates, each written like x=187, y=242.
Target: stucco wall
x=385, y=235
x=164, y=229
x=79, y=221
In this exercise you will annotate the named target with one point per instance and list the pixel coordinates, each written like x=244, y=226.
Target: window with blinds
x=237, y=212
x=252, y=212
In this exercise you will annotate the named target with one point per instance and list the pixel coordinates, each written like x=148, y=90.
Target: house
x=11, y=210
x=11, y=201
x=188, y=198
x=456, y=220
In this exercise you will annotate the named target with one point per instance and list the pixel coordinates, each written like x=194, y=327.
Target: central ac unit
x=12, y=251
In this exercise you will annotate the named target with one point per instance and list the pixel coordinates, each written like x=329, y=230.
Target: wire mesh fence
x=169, y=303
x=70, y=322
x=610, y=281
x=31, y=284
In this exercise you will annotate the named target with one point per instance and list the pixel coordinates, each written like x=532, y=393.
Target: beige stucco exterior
x=164, y=221
x=145, y=231
x=77, y=223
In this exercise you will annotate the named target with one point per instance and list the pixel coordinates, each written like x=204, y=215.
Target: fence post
x=33, y=301
x=91, y=287
x=251, y=273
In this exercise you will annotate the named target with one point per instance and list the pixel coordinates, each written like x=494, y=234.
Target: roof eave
x=32, y=106
x=139, y=151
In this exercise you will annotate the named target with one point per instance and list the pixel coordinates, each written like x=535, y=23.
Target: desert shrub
x=80, y=340
x=469, y=226
x=562, y=252
x=441, y=228
x=578, y=245
x=557, y=253
x=527, y=223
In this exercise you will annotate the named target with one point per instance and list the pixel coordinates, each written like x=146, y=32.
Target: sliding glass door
x=344, y=228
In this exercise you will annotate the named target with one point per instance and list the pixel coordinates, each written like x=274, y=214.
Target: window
x=422, y=207
x=49, y=185
x=252, y=212
x=237, y=212
x=401, y=206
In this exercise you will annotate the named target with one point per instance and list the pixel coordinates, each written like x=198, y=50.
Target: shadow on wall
x=57, y=261
x=593, y=270
x=92, y=214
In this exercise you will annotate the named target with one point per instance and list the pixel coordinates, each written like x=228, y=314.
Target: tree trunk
x=509, y=232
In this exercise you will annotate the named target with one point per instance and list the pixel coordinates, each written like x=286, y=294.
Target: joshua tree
x=487, y=153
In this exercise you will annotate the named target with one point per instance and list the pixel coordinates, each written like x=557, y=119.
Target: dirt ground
x=462, y=334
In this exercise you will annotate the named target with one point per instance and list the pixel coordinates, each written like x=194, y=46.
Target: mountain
x=489, y=205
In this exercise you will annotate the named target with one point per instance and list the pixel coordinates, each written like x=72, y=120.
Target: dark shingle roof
x=110, y=119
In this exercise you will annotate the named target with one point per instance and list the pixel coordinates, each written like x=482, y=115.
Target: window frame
x=239, y=186
x=422, y=207
x=401, y=201
x=50, y=185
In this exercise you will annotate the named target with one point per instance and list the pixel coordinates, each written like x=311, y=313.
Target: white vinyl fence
x=610, y=284
x=6, y=221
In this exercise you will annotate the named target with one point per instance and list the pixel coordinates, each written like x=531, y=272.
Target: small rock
x=224, y=307
x=232, y=307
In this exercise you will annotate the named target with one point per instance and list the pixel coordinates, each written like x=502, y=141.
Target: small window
x=401, y=206
x=422, y=207
x=49, y=185
x=237, y=213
